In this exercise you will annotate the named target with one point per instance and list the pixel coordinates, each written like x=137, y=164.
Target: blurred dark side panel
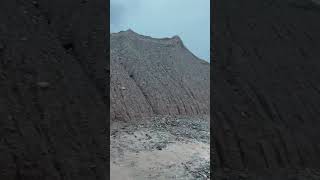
x=53, y=103
x=266, y=90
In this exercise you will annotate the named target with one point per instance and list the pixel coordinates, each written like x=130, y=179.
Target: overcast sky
x=189, y=19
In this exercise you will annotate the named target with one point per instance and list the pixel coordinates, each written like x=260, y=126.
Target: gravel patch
x=161, y=148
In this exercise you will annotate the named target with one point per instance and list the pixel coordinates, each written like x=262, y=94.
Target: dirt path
x=161, y=148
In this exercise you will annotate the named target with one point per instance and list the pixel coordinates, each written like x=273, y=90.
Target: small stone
x=123, y=88
x=43, y=84
x=148, y=136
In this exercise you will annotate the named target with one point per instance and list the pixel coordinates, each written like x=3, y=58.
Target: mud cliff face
x=266, y=84
x=156, y=77
x=52, y=97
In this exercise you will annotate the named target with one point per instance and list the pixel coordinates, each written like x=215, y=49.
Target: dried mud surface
x=160, y=148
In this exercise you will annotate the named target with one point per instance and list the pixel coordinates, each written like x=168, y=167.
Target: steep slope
x=156, y=77
x=266, y=84
x=52, y=109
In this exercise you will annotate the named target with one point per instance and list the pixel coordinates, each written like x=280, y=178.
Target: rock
x=43, y=84
x=148, y=136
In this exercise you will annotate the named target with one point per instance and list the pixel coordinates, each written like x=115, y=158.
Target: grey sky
x=189, y=19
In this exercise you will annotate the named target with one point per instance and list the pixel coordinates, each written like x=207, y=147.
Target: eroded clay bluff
x=266, y=87
x=156, y=77
x=53, y=103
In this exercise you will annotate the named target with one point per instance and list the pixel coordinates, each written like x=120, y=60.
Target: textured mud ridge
x=161, y=148
x=156, y=77
x=52, y=89
x=266, y=84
